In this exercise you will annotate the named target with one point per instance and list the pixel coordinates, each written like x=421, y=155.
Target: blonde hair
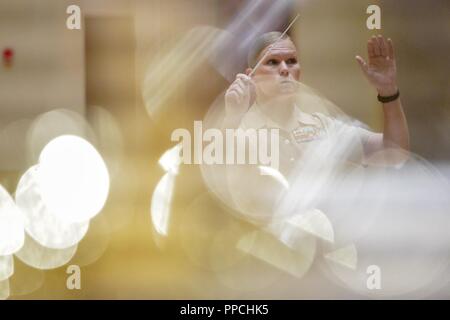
x=262, y=42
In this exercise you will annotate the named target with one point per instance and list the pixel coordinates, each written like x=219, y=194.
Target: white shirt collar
x=255, y=118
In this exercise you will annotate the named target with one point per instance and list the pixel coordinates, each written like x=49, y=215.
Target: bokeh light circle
x=11, y=225
x=41, y=223
x=74, y=179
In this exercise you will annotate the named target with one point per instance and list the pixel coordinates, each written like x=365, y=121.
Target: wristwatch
x=389, y=98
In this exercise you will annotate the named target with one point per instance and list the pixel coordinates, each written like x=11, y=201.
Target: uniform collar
x=255, y=118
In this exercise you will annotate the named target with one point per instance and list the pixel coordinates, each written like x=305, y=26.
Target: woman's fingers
x=362, y=64
x=379, y=46
x=237, y=89
x=239, y=83
x=243, y=77
x=390, y=46
x=383, y=46
x=239, y=92
x=370, y=49
x=242, y=82
x=376, y=46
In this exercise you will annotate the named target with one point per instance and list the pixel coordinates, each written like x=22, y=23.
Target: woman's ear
x=248, y=71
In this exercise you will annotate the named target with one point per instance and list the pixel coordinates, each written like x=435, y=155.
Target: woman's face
x=279, y=72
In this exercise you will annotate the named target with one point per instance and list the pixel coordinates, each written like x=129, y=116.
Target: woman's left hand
x=381, y=70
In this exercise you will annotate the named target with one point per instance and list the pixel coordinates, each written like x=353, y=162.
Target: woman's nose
x=284, y=71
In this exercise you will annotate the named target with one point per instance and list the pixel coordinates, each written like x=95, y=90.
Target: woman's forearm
x=395, y=131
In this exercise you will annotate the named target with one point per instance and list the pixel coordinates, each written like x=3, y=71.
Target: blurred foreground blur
x=143, y=226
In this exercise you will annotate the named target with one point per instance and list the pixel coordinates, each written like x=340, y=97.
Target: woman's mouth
x=287, y=82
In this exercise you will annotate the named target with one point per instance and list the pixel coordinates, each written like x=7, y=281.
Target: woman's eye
x=272, y=62
x=292, y=61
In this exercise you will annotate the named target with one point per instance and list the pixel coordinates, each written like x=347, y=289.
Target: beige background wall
x=48, y=70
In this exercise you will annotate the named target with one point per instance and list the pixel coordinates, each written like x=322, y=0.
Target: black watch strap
x=389, y=98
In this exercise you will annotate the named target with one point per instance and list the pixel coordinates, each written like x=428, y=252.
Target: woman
x=274, y=82
x=314, y=141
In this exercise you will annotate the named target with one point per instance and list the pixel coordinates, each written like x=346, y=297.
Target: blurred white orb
x=6, y=267
x=41, y=223
x=37, y=256
x=11, y=225
x=73, y=177
x=52, y=124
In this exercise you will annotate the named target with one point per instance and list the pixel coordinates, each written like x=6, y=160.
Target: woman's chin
x=287, y=91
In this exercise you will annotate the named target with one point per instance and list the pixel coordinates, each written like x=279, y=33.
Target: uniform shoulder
x=325, y=119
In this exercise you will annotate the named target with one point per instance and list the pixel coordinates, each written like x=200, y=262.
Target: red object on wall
x=8, y=55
